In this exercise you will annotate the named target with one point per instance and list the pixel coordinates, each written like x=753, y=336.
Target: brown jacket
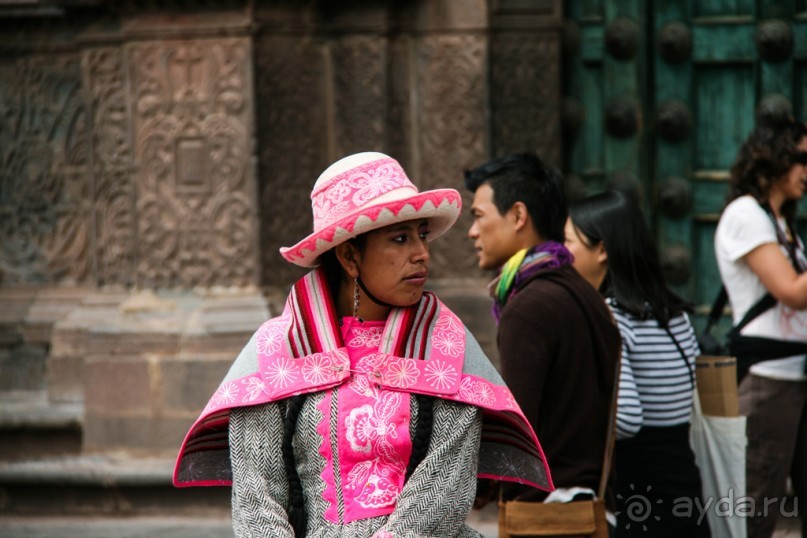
x=558, y=347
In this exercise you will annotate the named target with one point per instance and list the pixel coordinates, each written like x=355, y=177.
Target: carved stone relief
x=525, y=93
x=192, y=122
x=359, y=94
x=452, y=125
x=399, y=102
x=44, y=185
x=154, y=183
x=114, y=216
x=291, y=145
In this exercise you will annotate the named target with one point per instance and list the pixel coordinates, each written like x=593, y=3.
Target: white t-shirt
x=743, y=227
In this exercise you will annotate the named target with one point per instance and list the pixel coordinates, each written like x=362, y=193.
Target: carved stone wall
x=452, y=125
x=112, y=166
x=45, y=189
x=140, y=153
x=526, y=105
x=409, y=81
x=291, y=141
x=127, y=163
x=191, y=105
x=525, y=73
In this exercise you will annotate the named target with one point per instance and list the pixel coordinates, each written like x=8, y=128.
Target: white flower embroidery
x=361, y=385
x=282, y=372
x=449, y=343
x=338, y=192
x=326, y=211
x=368, y=429
x=372, y=362
x=361, y=428
x=440, y=375
x=366, y=337
x=466, y=389
x=402, y=373
x=317, y=368
x=378, y=490
x=255, y=387
x=450, y=323
x=270, y=337
x=374, y=182
x=226, y=393
x=484, y=393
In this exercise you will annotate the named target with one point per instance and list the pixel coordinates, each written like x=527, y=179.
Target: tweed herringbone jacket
x=353, y=436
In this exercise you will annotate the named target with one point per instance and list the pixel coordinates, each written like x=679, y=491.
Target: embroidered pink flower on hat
x=364, y=192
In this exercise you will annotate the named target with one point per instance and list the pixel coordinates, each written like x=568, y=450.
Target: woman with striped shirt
x=654, y=464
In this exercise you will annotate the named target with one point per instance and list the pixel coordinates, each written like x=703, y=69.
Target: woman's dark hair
x=766, y=156
x=634, y=277
x=334, y=272
x=523, y=177
x=423, y=433
x=298, y=518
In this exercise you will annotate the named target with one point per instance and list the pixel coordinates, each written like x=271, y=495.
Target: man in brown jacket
x=558, y=344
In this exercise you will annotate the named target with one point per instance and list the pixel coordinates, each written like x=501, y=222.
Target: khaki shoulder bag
x=572, y=519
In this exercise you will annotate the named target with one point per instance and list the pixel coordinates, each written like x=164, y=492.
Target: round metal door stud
x=774, y=40
x=575, y=188
x=627, y=183
x=622, y=38
x=621, y=117
x=675, y=42
x=674, y=197
x=674, y=121
x=675, y=263
x=774, y=109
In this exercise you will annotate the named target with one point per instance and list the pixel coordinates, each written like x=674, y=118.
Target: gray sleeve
x=260, y=486
x=437, y=498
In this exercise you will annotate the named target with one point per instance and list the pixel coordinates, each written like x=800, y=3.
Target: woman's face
x=590, y=261
x=394, y=263
x=794, y=183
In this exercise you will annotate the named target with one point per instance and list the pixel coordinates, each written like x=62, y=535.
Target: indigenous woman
x=366, y=408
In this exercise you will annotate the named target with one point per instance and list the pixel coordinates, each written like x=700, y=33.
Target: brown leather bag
x=573, y=519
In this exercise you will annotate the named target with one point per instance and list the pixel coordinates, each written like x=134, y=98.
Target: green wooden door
x=702, y=74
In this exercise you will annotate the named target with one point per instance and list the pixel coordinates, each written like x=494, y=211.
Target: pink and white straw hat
x=363, y=192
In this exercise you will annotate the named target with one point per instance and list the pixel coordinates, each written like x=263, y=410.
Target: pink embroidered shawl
x=424, y=349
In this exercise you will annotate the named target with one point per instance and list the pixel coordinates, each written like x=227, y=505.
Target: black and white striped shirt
x=655, y=385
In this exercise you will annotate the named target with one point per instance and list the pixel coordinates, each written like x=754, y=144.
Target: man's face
x=494, y=234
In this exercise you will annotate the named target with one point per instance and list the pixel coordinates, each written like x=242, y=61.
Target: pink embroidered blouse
x=354, y=482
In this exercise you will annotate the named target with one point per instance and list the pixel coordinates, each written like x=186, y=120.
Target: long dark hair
x=634, y=277
x=766, y=156
x=334, y=272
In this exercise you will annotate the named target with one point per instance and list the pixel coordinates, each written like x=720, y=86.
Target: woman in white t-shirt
x=762, y=265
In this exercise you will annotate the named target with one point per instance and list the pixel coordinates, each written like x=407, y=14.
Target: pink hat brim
x=441, y=207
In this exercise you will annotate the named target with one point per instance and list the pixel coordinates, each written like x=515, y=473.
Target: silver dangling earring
x=356, y=298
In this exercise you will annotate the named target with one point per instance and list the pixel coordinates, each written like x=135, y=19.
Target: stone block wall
x=149, y=362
